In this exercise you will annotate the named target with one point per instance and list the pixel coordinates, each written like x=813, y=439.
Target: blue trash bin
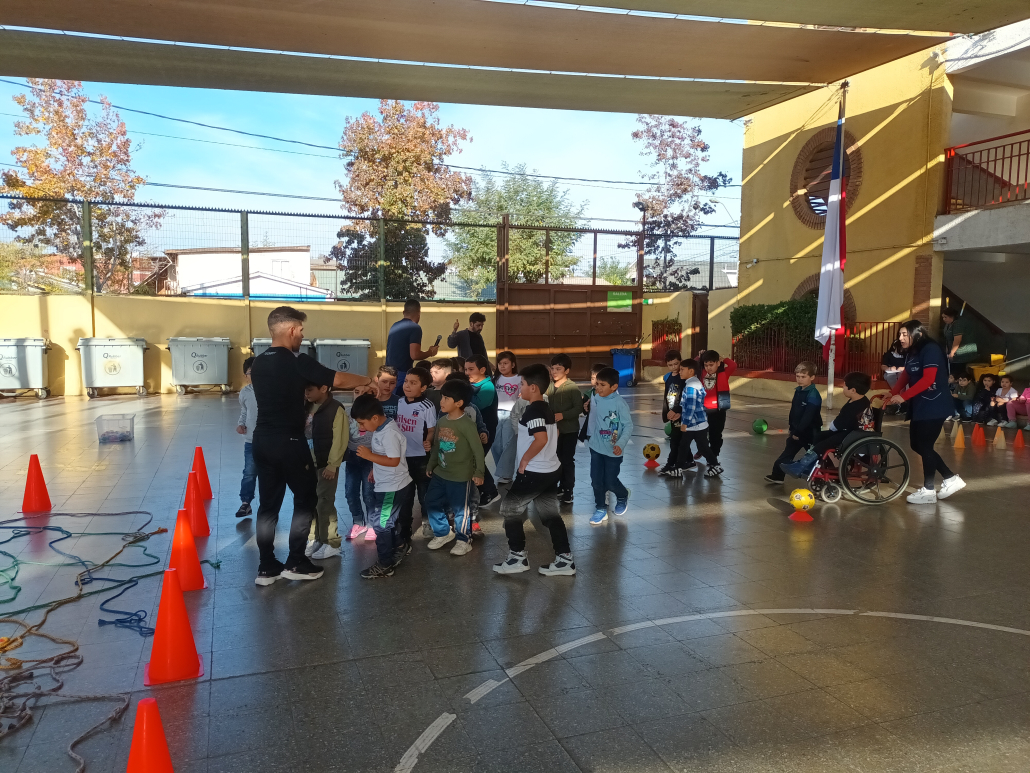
x=625, y=361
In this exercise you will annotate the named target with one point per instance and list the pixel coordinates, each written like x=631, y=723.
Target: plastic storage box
x=200, y=362
x=347, y=354
x=112, y=362
x=258, y=345
x=23, y=365
x=116, y=427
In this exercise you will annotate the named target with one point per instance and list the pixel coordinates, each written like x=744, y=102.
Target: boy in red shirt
x=716, y=380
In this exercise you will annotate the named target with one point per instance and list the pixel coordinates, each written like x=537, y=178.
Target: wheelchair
x=872, y=469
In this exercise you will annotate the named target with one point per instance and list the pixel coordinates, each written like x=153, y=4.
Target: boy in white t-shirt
x=394, y=488
x=537, y=478
x=416, y=418
x=1004, y=394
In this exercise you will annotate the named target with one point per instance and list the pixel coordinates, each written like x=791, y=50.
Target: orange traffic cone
x=959, y=440
x=956, y=429
x=37, y=498
x=174, y=656
x=978, y=436
x=200, y=468
x=650, y=464
x=184, y=557
x=1019, y=442
x=800, y=516
x=149, y=751
x=195, y=507
x=999, y=438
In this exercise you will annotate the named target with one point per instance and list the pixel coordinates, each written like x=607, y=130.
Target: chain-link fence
x=54, y=246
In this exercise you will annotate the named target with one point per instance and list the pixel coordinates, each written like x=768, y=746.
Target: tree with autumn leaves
x=396, y=171
x=80, y=157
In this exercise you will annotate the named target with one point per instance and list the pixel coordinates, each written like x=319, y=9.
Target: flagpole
x=833, y=336
x=829, y=372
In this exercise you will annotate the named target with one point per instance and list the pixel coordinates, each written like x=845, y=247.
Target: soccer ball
x=759, y=426
x=652, y=451
x=802, y=499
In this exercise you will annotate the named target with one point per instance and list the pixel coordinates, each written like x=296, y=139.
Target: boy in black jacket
x=804, y=421
x=328, y=431
x=855, y=415
x=671, y=412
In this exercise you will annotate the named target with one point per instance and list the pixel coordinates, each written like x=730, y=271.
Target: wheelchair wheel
x=874, y=471
x=830, y=493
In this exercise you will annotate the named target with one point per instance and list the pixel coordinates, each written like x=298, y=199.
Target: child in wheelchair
x=856, y=416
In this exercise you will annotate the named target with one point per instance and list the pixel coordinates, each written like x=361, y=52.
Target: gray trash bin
x=23, y=365
x=347, y=354
x=200, y=362
x=112, y=362
x=258, y=345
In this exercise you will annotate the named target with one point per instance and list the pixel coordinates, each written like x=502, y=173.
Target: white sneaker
x=513, y=564
x=325, y=551
x=438, y=542
x=925, y=496
x=992, y=423
x=461, y=547
x=561, y=565
x=950, y=486
x=312, y=546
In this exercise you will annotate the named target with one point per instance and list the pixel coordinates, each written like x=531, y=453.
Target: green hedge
x=796, y=317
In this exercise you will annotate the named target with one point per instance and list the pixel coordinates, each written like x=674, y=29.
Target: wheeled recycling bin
x=625, y=361
x=349, y=355
x=200, y=362
x=112, y=362
x=23, y=365
x=258, y=345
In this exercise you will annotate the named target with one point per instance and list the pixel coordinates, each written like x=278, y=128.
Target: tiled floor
x=346, y=674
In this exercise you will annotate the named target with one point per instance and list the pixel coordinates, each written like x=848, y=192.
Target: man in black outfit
x=469, y=342
x=281, y=453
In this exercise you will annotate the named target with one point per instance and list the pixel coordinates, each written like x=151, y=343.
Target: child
x=456, y=465
x=394, y=488
x=539, y=471
x=716, y=381
x=566, y=401
x=611, y=427
x=386, y=386
x=694, y=419
x=854, y=415
x=671, y=415
x=245, y=427
x=424, y=364
x=584, y=432
x=963, y=393
x=416, y=418
x=473, y=412
x=1002, y=396
x=1018, y=405
x=328, y=431
x=507, y=383
x=357, y=486
x=439, y=371
x=981, y=409
x=484, y=397
x=803, y=421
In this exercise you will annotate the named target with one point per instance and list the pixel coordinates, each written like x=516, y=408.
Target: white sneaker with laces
x=461, y=547
x=561, y=565
x=925, y=496
x=311, y=547
x=992, y=423
x=950, y=486
x=325, y=551
x=438, y=542
x=513, y=564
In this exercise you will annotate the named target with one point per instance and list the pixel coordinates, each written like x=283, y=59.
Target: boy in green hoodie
x=566, y=401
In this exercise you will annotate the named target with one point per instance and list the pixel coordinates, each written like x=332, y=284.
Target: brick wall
x=921, y=292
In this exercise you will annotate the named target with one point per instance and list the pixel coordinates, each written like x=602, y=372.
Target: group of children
x=992, y=400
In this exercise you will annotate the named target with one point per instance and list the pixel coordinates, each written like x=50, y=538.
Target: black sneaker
x=565, y=499
x=667, y=470
x=713, y=472
x=687, y=467
x=244, y=510
x=268, y=573
x=401, y=553
x=304, y=570
x=377, y=571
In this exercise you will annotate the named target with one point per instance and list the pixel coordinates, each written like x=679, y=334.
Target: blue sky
x=554, y=142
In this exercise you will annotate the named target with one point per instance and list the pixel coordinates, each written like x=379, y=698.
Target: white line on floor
x=423, y=742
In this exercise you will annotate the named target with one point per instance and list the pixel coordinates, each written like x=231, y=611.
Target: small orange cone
x=959, y=440
x=200, y=468
x=149, y=751
x=195, y=507
x=999, y=438
x=184, y=557
x=1019, y=442
x=37, y=498
x=978, y=436
x=174, y=656
x=956, y=429
x=800, y=516
x=650, y=464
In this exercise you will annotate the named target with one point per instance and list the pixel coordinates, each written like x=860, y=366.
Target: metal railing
x=987, y=173
x=778, y=350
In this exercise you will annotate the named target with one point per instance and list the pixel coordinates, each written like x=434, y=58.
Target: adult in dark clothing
x=469, y=342
x=281, y=452
x=960, y=342
x=924, y=385
x=804, y=420
x=404, y=343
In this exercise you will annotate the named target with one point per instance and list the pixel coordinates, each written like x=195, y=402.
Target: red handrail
x=953, y=148
x=976, y=178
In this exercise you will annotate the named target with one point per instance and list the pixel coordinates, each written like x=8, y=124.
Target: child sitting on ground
x=455, y=468
x=963, y=393
x=245, y=427
x=1002, y=396
x=854, y=415
x=982, y=409
x=694, y=419
x=611, y=427
x=1016, y=406
x=328, y=430
x=803, y=421
x=394, y=488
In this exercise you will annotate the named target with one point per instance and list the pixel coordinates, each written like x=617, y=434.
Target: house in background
x=275, y=272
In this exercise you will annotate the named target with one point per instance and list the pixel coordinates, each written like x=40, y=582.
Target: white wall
x=997, y=288
x=200, y=268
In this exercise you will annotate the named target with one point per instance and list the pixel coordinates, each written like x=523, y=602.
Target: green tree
x=611, y=271
x=530, y=201
x=408, y=271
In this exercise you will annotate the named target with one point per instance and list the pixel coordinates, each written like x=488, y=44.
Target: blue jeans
x=503, y=449
x=359, y=491
x=604, y=477
x=963, y=408
x=249, y=481
x=455, y=495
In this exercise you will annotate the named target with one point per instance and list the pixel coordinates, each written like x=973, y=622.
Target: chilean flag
x=828, y=322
